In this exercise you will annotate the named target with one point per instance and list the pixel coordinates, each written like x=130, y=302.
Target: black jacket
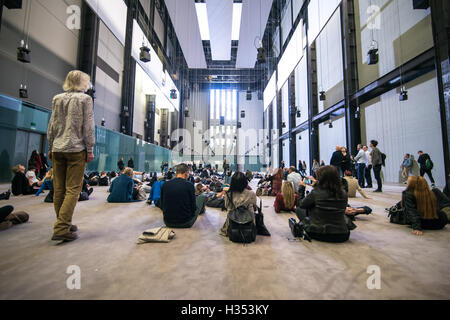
x=346, y=163
x=120, y=165
x=413, y=216
x=178, y=201
x=327, y=214
x=20, y=185
x=131, y=164
x=336, y=159
x=423, y=159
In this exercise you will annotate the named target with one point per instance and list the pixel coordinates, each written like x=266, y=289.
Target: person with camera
x=322, y=211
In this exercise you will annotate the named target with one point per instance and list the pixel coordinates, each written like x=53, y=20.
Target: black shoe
x=378, y=190
x=369, y=187
x=90, y=191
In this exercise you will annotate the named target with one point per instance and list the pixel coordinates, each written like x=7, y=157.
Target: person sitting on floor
x=31, y=176
x=20, y=184
x=422, y=207
x=277, y=182
x=8, y=217
x=47, y=183
x=201, y=198
x=238, y=196
x=249, y=175
x=155, y=193
x=353, y=185
x=295, y=178
x=178, y=200
x=121, y=189
x=103, y=181
x=287, y=199
x=323, y=210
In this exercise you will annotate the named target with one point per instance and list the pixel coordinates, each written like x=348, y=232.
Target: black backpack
x=241, y=227
x=383, y=159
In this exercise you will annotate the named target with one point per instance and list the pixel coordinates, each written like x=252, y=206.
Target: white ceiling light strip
x=236, y=24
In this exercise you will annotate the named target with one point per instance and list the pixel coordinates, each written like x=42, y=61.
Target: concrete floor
x=199, y=264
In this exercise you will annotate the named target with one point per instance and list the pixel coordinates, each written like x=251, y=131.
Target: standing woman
x=277, y=182
x=131, y=163
x=71, y=139
x=346, y=161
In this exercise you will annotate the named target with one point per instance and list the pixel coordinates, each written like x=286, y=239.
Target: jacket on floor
x=326, y=213
x=121, y=189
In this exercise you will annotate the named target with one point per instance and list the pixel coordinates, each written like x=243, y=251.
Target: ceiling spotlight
x=249, y=95
x=144, y=55
x=103, y=123
x=299, y=114
x=173, y=94
x=300, y=137
x=243, y=114
x=186, y=114
x=23, y=53
x=322, y=96
x=330, y=125
x=372, y=55
x=403, y=94
x=23, y=91
x=283, y=125
x=261, y=55
x=239, y=125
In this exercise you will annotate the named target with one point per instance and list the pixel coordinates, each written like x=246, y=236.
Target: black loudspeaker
x=372, y=56
x=249, y=95
x=322, y=96
x=144, y=55
x=222, y=121
x=243, y=114
x=403, y=95
x=239, y=125
x=421, y=4
x=23, y=92
x=23, y=54
x=261, y=55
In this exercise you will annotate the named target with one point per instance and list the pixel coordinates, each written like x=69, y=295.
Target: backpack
x=429, y=164
x=49, y=197
x=383, y=159
x=241, y=227
x=397, y=214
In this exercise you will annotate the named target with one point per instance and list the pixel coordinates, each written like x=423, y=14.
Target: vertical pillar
x=88, y=42
x=129, y=73
x=292, y=121
x=311, y=57
x=349, y=55
x=440, y=16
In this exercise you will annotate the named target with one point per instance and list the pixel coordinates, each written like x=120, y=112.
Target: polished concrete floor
x=199, y=264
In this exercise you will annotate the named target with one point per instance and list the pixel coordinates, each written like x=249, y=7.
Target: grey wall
x=54, y=50
x=108, y=87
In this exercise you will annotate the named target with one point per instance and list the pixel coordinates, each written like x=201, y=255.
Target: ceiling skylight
x=202, y=17
x=236, y=27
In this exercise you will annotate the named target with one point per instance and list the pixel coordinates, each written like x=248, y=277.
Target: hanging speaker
x=249, y=95
x=23, y=53
x=144, y=55
x=243, y=114
x=372, y=56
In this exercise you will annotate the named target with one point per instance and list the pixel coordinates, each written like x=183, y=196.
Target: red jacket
x=279, y=203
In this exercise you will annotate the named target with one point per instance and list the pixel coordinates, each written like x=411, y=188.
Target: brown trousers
x=68, y=175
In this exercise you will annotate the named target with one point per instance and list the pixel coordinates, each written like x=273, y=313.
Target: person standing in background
x=121, y=165
x=406, y=167
x=377, y=162
x=426, y=165
x=71, y=140
x=336, y=159
x=346, y=164
x=361, y=160
x=282, y=165
x=368, y=170
x=131, y=163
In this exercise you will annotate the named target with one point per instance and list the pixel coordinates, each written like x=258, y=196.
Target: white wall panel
x=329, y=63
x=270, y=91
x=329, y=138
x=407, y=127
x=319, y=12
x=301, y=91
x=114, y=14
x=286, y=156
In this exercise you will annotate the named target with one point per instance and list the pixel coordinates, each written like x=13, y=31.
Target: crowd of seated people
x=325, y=211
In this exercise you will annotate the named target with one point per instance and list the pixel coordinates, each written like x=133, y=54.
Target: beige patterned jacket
x=71, y=128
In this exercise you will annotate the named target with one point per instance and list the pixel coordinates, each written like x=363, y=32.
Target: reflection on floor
x=199, y=264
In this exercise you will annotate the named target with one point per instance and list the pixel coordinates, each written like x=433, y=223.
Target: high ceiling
x=219, y=50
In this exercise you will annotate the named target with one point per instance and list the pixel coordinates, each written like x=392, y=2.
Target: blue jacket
x=47, y=185
x=407, y=162
x=155, y=192
x=121, y=189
